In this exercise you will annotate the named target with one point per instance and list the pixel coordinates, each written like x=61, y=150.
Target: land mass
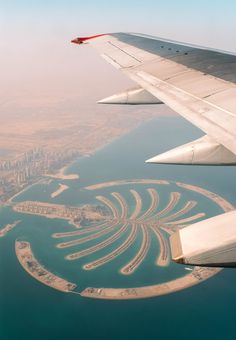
x=197, y=275
x=34, y=268
x=114, y=219
x=33, y=146
x=75, y=215
x=8, y=228
x=61, y=175
x=59, y=191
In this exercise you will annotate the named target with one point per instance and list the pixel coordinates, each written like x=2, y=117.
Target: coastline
x=58, y=175
x=31, y=265
x=10, y=200
x=61, y=174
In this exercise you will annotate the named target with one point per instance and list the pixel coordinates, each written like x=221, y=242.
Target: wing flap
x=225, y=99
x=198, y=84
x=206, y=116
x=211, y=242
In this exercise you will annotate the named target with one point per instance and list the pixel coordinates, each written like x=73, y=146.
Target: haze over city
x=91, y=240
x=37, y=57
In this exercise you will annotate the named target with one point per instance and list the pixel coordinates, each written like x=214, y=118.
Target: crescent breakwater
x=165, y=222
x=119, y=221
x=125, y=182
x=34, y=268
x=196, y=276
x=225, y=205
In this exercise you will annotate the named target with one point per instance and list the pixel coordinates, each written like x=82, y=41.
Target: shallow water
x=30, y=310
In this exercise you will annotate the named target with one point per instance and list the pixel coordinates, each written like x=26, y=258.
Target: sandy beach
x=61, y=174
x=60, y=190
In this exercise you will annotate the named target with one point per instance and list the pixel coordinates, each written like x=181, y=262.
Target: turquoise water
x=30, y=310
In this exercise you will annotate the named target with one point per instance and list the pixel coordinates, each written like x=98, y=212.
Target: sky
x=36, y=56
x=208, y=22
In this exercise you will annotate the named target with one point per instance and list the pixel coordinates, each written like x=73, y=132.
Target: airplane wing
x=196, y=82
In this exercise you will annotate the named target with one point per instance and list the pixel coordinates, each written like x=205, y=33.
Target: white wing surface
x=199, y=84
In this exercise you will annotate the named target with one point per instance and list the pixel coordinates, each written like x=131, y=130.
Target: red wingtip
x=76, y=41
x=81, y=40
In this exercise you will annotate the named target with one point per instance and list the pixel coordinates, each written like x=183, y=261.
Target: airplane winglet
x=82, y=40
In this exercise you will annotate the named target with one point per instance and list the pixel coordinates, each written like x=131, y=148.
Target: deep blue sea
x=31, y=310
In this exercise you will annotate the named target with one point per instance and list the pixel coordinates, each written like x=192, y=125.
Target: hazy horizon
x=37, y=58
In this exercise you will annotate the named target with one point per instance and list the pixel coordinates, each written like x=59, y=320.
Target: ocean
x=31, y=310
